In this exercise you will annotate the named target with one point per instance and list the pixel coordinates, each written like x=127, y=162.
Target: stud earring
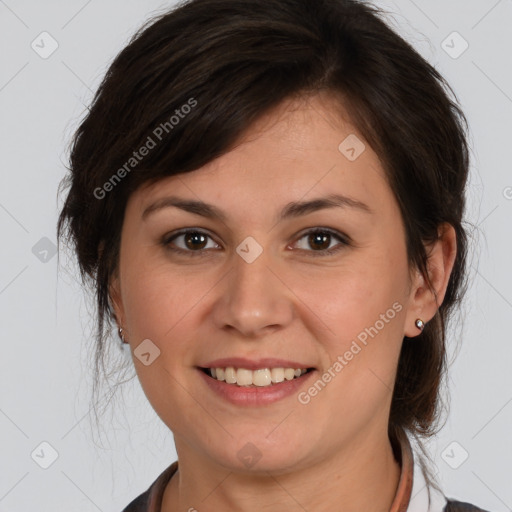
x=121, y=335
x=419, y=324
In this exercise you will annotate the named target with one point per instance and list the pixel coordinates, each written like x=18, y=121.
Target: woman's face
x=257, y=284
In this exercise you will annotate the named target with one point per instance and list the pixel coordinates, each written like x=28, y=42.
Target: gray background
x=45, y=366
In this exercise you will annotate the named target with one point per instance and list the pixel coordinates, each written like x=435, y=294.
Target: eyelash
x=344, y=241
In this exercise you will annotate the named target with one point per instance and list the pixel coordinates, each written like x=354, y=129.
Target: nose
x=253, y=299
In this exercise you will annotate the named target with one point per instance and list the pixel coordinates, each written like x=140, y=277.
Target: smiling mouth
x=255, y=378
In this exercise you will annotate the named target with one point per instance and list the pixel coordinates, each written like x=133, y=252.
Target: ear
x=441, y=257
x=114, y=292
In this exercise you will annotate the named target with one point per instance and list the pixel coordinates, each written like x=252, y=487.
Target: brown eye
x=318, y=242
x=191, y=242
x=194, y=240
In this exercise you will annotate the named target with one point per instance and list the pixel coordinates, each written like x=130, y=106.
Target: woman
x=269, y=197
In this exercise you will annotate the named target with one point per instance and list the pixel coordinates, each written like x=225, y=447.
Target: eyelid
x=169, y=237
x=344, y=240
x=322, y=229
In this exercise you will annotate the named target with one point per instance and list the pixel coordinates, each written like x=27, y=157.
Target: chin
x=258, y=456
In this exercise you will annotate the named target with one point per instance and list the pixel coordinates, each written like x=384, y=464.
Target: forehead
x=302, y=149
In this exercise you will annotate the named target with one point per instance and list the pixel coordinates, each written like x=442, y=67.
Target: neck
x=364, y=477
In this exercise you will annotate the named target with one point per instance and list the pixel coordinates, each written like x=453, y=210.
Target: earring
x=419, y=324
x=121, y=336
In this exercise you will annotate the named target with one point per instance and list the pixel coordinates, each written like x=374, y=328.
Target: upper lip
x=242, y=362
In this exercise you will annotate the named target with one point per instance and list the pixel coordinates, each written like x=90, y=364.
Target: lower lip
x=255, y=395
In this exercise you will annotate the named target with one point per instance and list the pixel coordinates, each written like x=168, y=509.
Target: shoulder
x=460, y=506
x=151, y=499
x=139, y=504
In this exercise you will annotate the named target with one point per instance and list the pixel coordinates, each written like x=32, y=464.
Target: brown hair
x=236, y=59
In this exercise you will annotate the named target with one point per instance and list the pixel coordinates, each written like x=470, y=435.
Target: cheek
x=160, y=306
x=155, y=303
x=362, y=310
x=160, y=302
x=365, y=315
x=351, y=297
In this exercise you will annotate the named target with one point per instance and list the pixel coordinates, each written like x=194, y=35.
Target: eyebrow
x=291, y=210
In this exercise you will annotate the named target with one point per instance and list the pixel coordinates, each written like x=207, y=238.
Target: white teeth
x=261, y=377
x=243, y=377
x=289, y=373
x=229, y=375
x=277, y=374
